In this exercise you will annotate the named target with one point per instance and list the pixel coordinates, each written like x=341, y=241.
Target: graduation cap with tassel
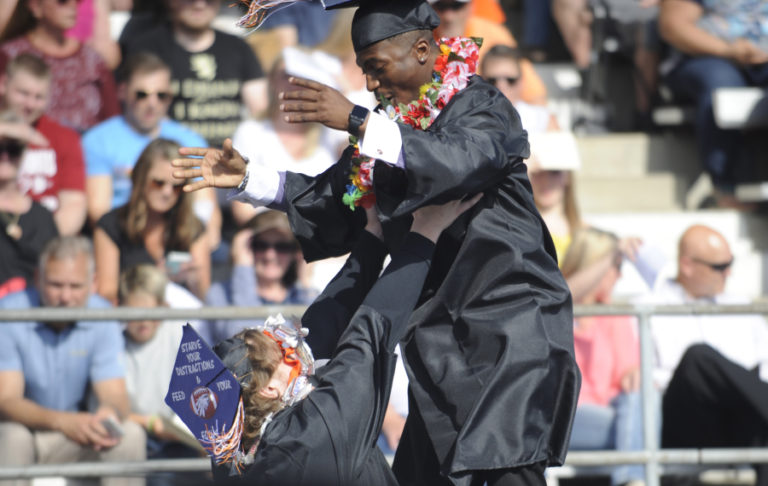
x=206, y=396
x=375, y=20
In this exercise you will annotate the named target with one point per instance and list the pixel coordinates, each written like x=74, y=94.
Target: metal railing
x=652, y=457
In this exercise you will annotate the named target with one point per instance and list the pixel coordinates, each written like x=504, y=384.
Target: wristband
x=356, y=119
x=151, y=424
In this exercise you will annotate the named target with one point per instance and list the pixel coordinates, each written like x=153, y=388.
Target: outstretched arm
x=329, y=315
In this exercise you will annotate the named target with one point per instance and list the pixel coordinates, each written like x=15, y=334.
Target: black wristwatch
x=356, y=119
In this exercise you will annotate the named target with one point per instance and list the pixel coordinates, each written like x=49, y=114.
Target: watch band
x=356, y=119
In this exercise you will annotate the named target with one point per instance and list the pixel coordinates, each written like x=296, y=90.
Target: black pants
x=416, y=463
x=713, y=402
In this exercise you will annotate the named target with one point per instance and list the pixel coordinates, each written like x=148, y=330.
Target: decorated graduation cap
x=374, y=20
x=206, y=397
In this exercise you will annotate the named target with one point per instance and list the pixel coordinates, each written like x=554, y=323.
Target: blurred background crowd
x=646, y=121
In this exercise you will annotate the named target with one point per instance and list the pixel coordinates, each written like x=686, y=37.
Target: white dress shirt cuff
x=264, y=186
x=382, y=140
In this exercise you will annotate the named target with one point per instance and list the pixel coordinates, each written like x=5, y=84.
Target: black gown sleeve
x=329, y=314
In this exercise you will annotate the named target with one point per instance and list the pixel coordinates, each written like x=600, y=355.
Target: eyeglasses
x=454, y=6
x=510, y=80
x=718, y=267
x=13, y=148
x=283, y=247
x=160, y=184
x=161, y=95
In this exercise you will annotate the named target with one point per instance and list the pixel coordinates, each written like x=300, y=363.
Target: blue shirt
x=113, y=147
x=58, y=366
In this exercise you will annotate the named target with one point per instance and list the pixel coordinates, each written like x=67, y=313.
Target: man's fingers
x=299, y=107
x=306, y=83
x=186, y=162
x=193, y=173
x=196, y=186
x=302, y=117
x=299, y=94
x=194, y=151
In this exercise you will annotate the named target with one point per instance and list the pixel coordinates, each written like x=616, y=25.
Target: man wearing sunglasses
x=112, y=147
x=712, y=368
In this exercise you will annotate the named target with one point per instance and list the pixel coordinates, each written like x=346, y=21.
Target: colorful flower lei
x=454, y=66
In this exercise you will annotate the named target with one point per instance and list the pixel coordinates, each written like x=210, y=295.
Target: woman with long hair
x=83, y=90
x=157, y=226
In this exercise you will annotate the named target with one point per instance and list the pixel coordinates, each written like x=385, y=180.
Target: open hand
x=430, y=221
x=315, y=102
x=213, y=167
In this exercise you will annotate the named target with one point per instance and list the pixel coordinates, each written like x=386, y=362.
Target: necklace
x=11, y=223
x=455, y=65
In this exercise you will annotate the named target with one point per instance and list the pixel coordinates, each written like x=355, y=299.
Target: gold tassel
x=259, y=10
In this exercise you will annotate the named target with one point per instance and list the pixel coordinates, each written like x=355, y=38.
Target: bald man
x=713, y=370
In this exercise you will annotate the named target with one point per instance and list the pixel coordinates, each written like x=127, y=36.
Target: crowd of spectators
x=92, y=216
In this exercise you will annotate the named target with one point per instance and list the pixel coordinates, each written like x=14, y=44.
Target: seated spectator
x=150, y=348
x=83, y=89
x=609, y=415
x=457, y=19
x=112, y=147
x=264, y=256
x=712, y=369
x=554, y=193
x=214, y=73
x=25, y=225
x=716, y=44
x=48, y=369
x=298, y=147
x=52, y=171
x=501, y=66
x=156, y=226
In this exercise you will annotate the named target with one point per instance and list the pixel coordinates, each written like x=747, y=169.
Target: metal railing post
x=650, y=436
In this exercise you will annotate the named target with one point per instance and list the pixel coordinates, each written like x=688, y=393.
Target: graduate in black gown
x=324, y=431
x=489, y=353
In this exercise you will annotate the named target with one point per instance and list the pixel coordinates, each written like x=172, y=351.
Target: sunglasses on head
x=443, y=6
x=13, y=148
x=280, y=246
x=160, y=184
x=510, y=80
x=718, y=267
x=161, y=95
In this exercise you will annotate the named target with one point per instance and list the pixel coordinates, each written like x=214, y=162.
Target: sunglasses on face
x=454, y=6
x=161, y=95
x=510, y=80
x=13, y=148
x=65, y=2
x=283, y=247
x=718, y=267
x=160, y=184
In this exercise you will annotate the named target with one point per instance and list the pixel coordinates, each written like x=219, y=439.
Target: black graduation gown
x=329, y=438
x=490, y=354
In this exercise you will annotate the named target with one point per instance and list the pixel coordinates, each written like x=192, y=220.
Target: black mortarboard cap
x=376, y=20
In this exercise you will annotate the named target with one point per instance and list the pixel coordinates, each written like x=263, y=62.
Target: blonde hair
x=587, y=247
x=146, y=279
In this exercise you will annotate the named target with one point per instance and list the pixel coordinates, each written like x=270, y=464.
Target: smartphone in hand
x=174, y=261
x=114, y=429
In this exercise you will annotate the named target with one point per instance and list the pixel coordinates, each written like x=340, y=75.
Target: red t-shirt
x=47, y=170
